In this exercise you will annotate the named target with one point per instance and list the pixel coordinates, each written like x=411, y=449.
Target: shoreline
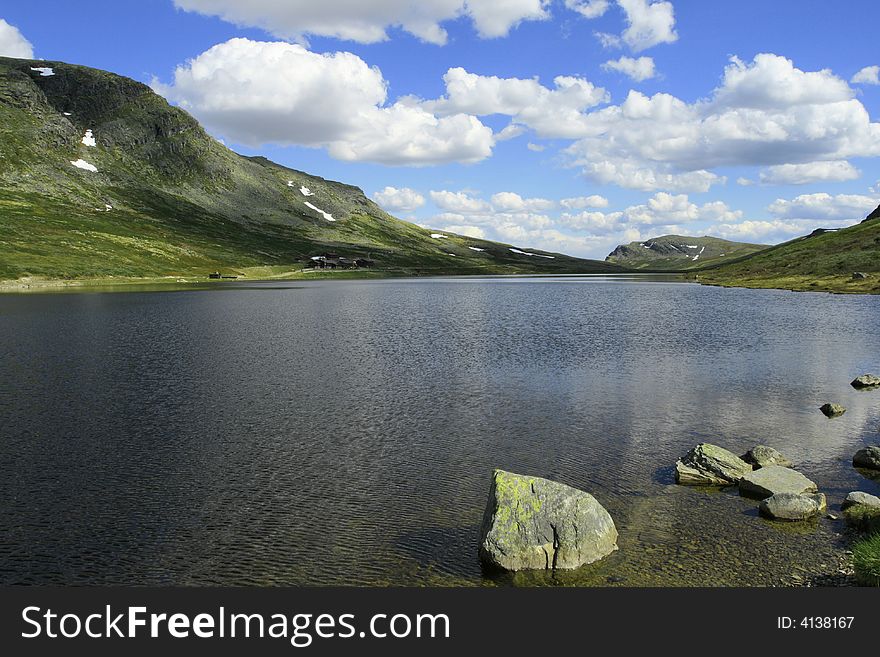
x=28, y=285
x=834, y=284
x=259, y=274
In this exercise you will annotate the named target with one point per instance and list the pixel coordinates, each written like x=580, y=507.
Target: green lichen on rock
x=863, y=517
x=536, y=524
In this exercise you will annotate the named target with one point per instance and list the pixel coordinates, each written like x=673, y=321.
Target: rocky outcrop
x=762, y=456
x=868, y=458
x=792, y=507
x=536, y=524
x=858, y=498
x=710, y=465
x=775, y=479
x=866, y=381
x=832, y=410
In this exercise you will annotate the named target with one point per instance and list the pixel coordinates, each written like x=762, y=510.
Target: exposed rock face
x=537, y=524
x=833, y=410
x=859, y=498
x=866, y=381
x=791, y=507
x=762, y=456
x=868, y=458
x=775, y=479
x=710, y=465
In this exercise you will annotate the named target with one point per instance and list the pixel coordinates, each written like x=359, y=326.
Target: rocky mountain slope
x=677, y=252
x=100, y=177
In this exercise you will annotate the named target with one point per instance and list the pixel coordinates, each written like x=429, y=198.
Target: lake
x=345, y=432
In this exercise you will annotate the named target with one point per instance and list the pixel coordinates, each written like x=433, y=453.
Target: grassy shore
x=35, y=284
x=835, y=283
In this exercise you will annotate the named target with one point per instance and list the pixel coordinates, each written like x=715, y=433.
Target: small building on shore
x=335, y=261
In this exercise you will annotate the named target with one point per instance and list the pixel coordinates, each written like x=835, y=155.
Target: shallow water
x=345, y=432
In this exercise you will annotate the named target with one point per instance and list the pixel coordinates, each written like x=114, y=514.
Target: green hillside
x=833, y=261
x=155, y=196
x=679, y=253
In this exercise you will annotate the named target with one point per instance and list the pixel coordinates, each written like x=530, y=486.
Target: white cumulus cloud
x=459, y=202
x=850, y=208
x=589, y=8
x=369, y=22
x=649, y=23
x=582, y=202
x=555, y=113
x=275, y=92
x=809, y=172
x=393, y=199
x=512, y=202
x=640, y=69
x=765, y=113
x=13, y=43
x=868, y=75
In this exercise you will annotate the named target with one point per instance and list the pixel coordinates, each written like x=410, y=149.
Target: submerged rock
x=536, y=524
x=762, y=456
x=832, y=410
x=775, y=479
x=793, y=507
x=858, y=498
x=868, y=458
x=866, y=381
x=710, y=465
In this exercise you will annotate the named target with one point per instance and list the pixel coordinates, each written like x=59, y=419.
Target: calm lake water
x=345, y=432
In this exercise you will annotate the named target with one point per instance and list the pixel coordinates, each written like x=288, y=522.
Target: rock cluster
x=762, y=473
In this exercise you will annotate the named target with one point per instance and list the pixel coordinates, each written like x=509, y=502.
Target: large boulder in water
x=536, y=524
x=792, y=507
x=762, y=456
x=710, y=465
x=868, y=458
x=775, y=479
x=866, y=381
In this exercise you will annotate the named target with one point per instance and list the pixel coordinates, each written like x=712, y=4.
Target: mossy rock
x=863, y=517
x=536, y=524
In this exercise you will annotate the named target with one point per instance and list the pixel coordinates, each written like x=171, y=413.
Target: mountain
x=676, y=252
x=100, y=177
x=845, y=260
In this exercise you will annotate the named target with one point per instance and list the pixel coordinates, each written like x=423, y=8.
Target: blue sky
x=568, y=125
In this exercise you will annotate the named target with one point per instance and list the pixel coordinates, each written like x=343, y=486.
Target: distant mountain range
x=679, y=253
x=100, y=178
